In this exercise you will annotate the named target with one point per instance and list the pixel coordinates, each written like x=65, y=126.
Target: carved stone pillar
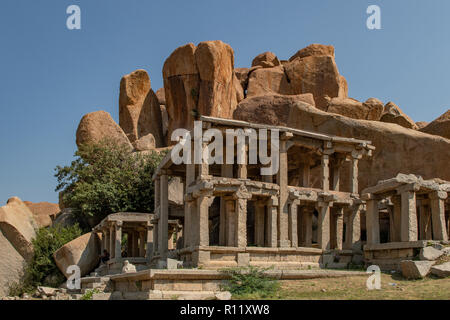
x=372, y=221
x=438, y=215
x=118, y=241
x=293, y=216
x=323, y=230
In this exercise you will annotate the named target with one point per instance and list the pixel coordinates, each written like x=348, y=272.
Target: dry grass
x=393, y=287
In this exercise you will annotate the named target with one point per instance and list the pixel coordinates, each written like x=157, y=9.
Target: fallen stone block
x=442, y=270
x=415, y=269
x=430, y=254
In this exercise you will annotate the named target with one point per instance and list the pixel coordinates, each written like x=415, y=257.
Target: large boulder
x=215, y=63
x=415, y=269
x=12, y=265
x=394, y=144
x=181, y=87
x=44, y=212
x=313, y=70
x=268, y=81
x=144, y=143
x=18, y=226
x=199, y=81
x=97, y=126
x=421, y=124
x=369, y=110
x=440, y=126
x=139, y=108
x=442, y=270
x=314, y=49
x=266, y=60
x=270, y=109
x=83, y=251
x=393, y=114
x=66, y=219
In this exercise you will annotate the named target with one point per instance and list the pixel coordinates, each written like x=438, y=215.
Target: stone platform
x=194, y=283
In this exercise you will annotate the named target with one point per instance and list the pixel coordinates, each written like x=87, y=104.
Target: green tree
x=106, y=178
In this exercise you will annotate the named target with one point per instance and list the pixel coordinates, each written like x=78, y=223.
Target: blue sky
x=52, y=76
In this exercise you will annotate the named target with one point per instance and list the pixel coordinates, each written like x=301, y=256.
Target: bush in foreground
x=245, y=281
x=42, y=270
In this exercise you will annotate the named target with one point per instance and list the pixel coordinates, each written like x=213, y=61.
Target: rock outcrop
x=18, y=226
x=139, y=108
x=145, y=143
x=97, y=126
x=199, y=81
x=351, y=108
x=266, y=60
x=395, y=145
x=12, y=265
x=44, y=212
x=313, y=70
x=440, y=126
x=393, y=114
x=83, y=251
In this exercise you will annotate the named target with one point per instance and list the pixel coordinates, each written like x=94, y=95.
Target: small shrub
x=89, y=294
x=249, y=281
x=42, y=270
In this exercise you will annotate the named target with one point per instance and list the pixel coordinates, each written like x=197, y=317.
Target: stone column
x=155, y=238
x=293, y=216
x=241, y=226
x=150, y=243
x=118, y=241
x=157, y=199
x=112, y=241
x=308, y=213
x=187, y=228
x=242, y=168
x=353, y=228
x=259, y=224
x=336, y=169
x=372, y=221
x=354, y=175
x=142, y=243
x=203, y=220
x=106, y=241
x=163, y=223
x=323, y=229
x=438, y=215
x=227, y=172
x=282, y=180
x=397, y=218
x=408, y=213
x=338, y=227
x=325, y=172
x=231, y=221
x=271, y=225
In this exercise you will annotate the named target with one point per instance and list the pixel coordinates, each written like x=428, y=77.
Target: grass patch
x=393, y=287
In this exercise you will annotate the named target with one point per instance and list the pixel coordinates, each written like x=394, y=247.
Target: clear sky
x=51, y=76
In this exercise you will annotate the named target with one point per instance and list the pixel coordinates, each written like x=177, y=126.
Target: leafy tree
x=106, y=178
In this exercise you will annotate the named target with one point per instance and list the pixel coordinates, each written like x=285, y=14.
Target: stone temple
x=358, y=183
